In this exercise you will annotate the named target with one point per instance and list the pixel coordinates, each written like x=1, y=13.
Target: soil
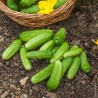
x=82, y=27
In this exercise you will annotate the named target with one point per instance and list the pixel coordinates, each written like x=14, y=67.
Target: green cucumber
x=44, y=54
x=12, y=5
x=42, y=75
x=47, y=45
x=74, y=68
x=60, y=36
x=38, y=40
x=27, y=35
x=84, y=63
x=31, y=10
x=60, y=3
x=66, y=64
x=55, y=49
x=27, y=3
x=73, y=52
x=25, y=61
x=60, y=52
x=16, y=0
x=12, y=49
x=74, y=47
x=55, y=77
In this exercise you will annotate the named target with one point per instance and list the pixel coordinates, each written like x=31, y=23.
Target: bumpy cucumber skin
x=12, y=49
x=60, y=52
x=74, y=68
x=12, y=5
x=74, y=47
x=38, y=40
x=60, y=3
x=55, y=77
x=55, y=49
x=73, y=52
x=60, y=36
x=44, y=54
x=66, y=64
x=27, y=3
x=31, y=10
x=85, y=66
x=25, y=61
x=27, y=35
x=43, y=74
x=47, y=45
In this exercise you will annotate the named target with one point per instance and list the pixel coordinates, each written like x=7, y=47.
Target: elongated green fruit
x=12, y=49
x=42, y=75
x=66, y=64
x=74, y=47
x=27, y=35
x=60, y=36
x=44, y=54
x=74, y=52
x=60, y=3
x=55, y=77
x=31, y=10
x=27, y=3
x=47, y=45
x=84, y=63
x=38, y=40
x=25, y=61
x=55, y=49
x=60, y=52
x=16, y=0
x=12, y=5
x=74, y=68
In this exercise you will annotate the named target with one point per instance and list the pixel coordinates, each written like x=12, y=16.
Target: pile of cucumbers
x=29, y=6
x=44, y=44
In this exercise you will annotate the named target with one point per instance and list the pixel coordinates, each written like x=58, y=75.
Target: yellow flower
x=96, y=42
x=46, y=6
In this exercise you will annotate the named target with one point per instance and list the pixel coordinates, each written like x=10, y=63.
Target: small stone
x=1, y=91
x=23, y=81
x=17, y=93
x=5, y=94
x=13, y=87
x=72, y=93
x=1, y=38
x=1, y=64
x=83, y=82
x=77, y=14
x=24, y=96
x=35, y=88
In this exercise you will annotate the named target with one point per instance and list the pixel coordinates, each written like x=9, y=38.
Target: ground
x=82, y=28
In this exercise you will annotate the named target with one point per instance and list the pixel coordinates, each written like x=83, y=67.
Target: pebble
x=83, y=82
x=24, y=96
x=1, y=91
x=1, y=38
x=5, y=94
x=1, y=64
x=13, y=87
x=35, y=88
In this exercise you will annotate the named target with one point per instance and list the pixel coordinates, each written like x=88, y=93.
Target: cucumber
x=74, y=68
x=44, y=54
x=31, y=10
x=42, y=75
x=84, y=63
x=12, y=49
x=60, y=36
x=74, y=47
x=55, y=49
x=12, y=5
x=25, y=61
x=60, y=3
x=47, y=45
x=60, y=52
x=66, y=64
x=16, y=0
x=73, y=52
x=27, y=3
x=55, y=77
x=38, y=40
x=27, y=35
